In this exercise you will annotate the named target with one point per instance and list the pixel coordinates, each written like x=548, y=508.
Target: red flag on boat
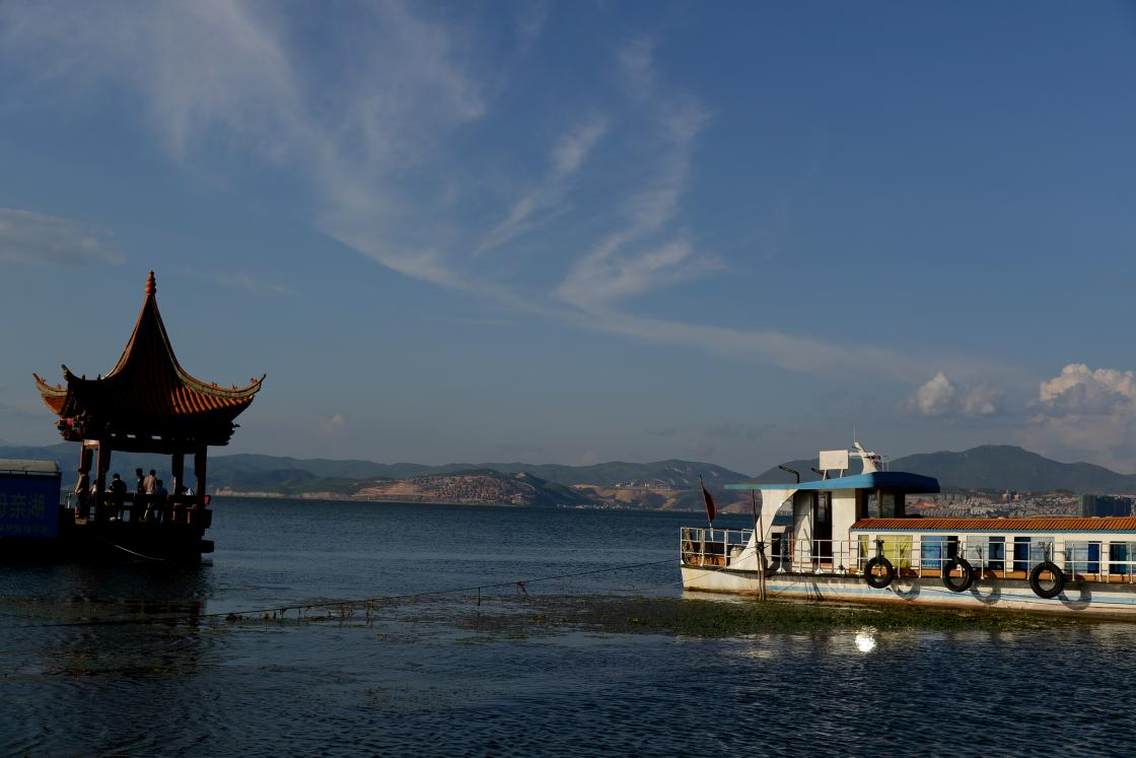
x=711, y=511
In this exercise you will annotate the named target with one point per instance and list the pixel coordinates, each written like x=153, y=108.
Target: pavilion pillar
x=177, y=507
x=100, y=480
x=199, y=476
x=177, y=468
x=83, y=484
x=86, y=458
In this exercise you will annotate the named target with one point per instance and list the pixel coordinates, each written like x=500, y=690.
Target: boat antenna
x=794, y=472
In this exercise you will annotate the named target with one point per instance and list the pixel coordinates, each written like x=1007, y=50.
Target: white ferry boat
x=850, y=539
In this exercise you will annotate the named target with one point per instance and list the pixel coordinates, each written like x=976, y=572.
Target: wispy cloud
x=639, y=256
x=529, y=24
x=333, y=425
x=36, y=238
x=367, y=128
x=573, y=148
x=227, y=71
x=600, y=279
x=637, y=67
x=256, y=285
x=566, y=159
x=794, y=352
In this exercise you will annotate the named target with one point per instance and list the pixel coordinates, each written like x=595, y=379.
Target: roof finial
x=151, y=284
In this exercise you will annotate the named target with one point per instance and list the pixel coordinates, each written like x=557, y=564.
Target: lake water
x=410, y=679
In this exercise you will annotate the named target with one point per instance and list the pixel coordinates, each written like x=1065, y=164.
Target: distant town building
x=1106, y=505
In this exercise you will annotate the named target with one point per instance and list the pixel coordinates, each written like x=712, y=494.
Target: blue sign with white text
x=29, y=506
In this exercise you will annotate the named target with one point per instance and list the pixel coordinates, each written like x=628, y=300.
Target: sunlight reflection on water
x=865, y=641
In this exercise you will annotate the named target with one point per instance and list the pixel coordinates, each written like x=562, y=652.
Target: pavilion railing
x=142, y=509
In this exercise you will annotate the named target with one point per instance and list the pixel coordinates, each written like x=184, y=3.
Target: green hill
x=1005, y=467
x=293, y=476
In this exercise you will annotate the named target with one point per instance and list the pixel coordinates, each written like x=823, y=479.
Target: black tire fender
x=879, y=582
x=965, y=580
x=1058, y=580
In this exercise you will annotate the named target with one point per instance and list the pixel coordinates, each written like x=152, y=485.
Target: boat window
x=1119, y=555
x=1082, y=557
x=985, y=551
x=897, y=549
x=994, y=553
x=932, y=551
x=1030, y=551
x=863, y=549
x=1041, y=549
x=823, y=507
x=1021, y=553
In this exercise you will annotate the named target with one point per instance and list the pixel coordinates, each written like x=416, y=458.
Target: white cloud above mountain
x=1081, y=391
x=1086, y=413
x=941, y=397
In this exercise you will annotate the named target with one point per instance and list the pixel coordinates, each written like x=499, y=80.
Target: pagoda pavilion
x=147, y=403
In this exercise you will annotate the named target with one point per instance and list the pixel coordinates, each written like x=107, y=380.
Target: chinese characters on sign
x=29, y=506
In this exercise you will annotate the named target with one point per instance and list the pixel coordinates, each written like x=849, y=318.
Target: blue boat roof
x=884, y=480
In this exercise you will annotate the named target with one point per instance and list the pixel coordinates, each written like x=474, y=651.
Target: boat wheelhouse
x=147, y=403
x=849, y=537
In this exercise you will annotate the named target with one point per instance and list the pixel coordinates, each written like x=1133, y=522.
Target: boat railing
x=809, y=556
x=1113, y=562
x=703, y=546
x=915, y=555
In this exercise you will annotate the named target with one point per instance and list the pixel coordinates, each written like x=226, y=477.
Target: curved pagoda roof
x=147, y=401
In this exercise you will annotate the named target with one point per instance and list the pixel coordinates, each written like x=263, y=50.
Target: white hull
x=1096, y=598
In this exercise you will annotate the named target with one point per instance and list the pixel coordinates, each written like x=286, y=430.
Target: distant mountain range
x=667, y=484
x=244, y=470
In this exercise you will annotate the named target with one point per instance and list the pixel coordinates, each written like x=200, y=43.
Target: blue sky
x=585, y=231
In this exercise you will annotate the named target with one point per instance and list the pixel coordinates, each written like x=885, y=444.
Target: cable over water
x=357, y=603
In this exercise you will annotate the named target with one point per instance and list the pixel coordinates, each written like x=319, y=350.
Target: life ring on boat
x=879, y=582
x=964, y=582
x=1058, y=580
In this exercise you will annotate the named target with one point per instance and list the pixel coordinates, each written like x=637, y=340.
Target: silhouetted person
x=160, y=497
x=138, y=504
x=117, y=494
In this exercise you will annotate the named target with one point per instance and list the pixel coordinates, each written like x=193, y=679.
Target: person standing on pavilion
x=117, y=495
x=83, y=494
x=138, y=505
x=161, y=498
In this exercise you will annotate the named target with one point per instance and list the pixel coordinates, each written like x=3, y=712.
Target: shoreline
x=330, y=497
